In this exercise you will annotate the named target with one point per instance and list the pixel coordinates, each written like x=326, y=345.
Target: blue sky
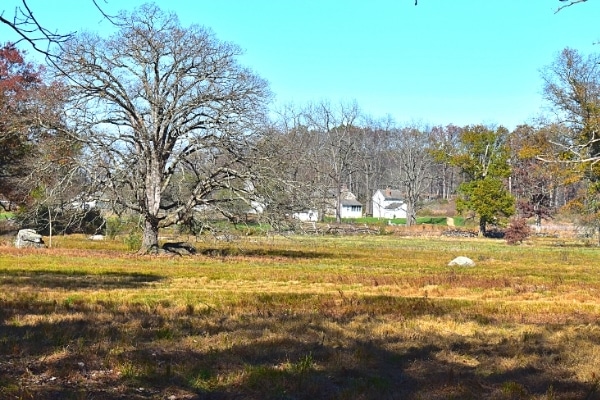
x=443, y=61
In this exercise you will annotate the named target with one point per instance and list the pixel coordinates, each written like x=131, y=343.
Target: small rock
x=462, y=262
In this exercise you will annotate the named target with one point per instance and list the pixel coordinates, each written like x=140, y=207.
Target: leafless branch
x=111, y=18
x=27, y=26
x=30, y=30
x=569, y=4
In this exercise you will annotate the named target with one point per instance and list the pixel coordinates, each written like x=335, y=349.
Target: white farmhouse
x=388, y=203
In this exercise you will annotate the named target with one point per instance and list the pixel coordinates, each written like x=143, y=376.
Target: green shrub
x=133, y=240
x=114, y=227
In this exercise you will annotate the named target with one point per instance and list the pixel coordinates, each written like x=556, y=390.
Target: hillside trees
x=412, y=162
x=336, y=143
x=535, y=183
x=374, y=158
x=444, y=143
x=289, y=168
x=167, y=114
x=483, y=158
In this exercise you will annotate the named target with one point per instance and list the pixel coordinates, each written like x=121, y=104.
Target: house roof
x=350, y=202
x=391, y=194
x=344, y=194
x=394, y=206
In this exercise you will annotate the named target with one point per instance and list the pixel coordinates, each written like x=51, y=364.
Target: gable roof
x=350, y=202
x=394, y=206
x=391, y=194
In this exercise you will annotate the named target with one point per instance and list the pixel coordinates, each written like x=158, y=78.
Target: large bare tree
x=166, y=114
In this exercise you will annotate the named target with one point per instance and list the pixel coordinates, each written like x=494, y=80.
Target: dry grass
x=301, y=318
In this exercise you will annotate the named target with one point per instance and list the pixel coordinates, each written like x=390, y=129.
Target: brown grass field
x=371, y=317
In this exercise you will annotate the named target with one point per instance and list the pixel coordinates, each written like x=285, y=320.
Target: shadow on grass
x=75, y=280
x=276, y=352
x=292, y=254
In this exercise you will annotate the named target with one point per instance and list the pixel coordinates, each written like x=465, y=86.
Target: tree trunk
x=153, y=195
x=338, y=211
x=150, y=236
x=50, y=226
x=482, y=224
x=411, y=218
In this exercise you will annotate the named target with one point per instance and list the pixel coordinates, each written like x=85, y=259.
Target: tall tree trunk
x=411, y=218
x=482, y=225
x=50, y=226
x=153, y=197
x=150, y=236
x=369, y=195
x=338, y=210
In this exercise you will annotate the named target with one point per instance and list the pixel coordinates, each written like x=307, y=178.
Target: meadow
x=301, y=317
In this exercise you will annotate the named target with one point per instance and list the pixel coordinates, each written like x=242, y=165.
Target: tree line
x=162, y=121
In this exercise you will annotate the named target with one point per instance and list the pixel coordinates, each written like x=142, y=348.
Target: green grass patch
x=442, y=221
x=6, y=215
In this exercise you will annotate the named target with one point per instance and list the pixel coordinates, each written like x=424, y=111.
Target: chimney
x=388, y=192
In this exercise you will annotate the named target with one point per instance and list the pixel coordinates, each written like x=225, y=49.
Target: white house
x=306, y=216
x=388, y=203
x=351, y=208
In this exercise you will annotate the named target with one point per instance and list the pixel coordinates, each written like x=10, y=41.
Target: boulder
x=181, y=248
x=28, y=238
x=462, y=262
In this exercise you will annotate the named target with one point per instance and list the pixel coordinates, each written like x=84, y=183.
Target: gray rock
x=29, y=238
x=462, y=262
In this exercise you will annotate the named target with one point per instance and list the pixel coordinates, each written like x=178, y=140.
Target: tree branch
x=30, y=30
x=571, y=3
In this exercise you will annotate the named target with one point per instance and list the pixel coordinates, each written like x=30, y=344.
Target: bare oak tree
x=166, y=115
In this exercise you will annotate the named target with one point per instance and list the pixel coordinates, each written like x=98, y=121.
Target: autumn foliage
x=17, y=80
x=30, y=120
